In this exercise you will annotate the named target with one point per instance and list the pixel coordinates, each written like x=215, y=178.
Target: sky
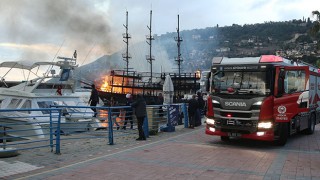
x=40, y=30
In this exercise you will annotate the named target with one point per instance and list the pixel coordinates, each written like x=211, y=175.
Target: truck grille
x=237, y=123
x=239, y=126
x=236, y=114
x=243, y=122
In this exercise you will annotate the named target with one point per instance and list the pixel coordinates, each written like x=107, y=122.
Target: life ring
x=59, y=90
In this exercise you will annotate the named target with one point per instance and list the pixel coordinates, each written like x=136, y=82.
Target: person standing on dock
x=200, y=111
x=115, y=113
x=94, y=99
x=140, y=107
x=160, y=102
x=192, y=110
x=128, y=112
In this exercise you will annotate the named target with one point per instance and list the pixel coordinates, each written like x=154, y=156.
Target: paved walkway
x=184, y=154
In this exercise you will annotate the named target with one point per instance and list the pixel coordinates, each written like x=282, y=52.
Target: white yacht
x=41, y=92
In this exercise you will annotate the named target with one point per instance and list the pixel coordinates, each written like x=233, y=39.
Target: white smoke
x=160, y=63
x=75, y=24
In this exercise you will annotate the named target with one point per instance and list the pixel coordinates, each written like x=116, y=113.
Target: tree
x=316, y=26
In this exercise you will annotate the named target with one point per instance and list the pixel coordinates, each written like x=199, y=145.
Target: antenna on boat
x=126, y=56
x=48, y=70
x=3, y=81
x=178, y=58
x=150, y=58
x=93, y=46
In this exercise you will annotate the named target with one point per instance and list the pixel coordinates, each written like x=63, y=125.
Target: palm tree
x=315, y=29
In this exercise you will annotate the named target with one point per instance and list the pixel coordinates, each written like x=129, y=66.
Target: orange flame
x=115, y=86
x=105, y=87
x=118, y=85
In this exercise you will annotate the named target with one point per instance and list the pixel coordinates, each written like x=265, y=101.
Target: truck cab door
x=291, y=92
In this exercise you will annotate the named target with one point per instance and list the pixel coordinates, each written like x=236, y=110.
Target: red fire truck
x=264, y=98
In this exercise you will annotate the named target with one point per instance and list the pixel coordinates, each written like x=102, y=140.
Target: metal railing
x=23, y=129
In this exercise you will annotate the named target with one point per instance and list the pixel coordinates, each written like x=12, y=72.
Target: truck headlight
x=210, y=121
x=258, y=103
x=215, y=102
x=265, y=125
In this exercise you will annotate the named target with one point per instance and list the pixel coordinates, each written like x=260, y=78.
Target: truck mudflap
x=263, y=135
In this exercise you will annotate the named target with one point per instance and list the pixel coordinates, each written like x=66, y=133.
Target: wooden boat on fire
x=120, y=82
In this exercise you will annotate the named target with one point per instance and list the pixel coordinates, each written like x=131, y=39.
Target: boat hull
x=21, y=129
x=17, y=129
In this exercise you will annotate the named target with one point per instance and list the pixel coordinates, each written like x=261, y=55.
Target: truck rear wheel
x=225, y=138
x=312, y=124
x=282, y=133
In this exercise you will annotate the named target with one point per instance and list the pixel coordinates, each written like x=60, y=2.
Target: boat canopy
x=24, y=64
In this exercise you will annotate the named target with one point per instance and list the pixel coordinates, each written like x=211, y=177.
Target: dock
x=183, y=154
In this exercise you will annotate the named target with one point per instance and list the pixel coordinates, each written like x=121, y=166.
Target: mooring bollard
x=4, y=151
x=4, y=140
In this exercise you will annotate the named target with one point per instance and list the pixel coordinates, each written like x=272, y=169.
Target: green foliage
x=318, y=63
x=303, y=39
x=247, y=40
x=316, y=26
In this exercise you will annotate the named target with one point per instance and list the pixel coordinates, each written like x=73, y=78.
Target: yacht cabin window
x=14, y=103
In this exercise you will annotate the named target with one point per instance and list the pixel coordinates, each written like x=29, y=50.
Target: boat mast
x=150, y=58
x=178, y=39
x=126, y=56
x=179, y=58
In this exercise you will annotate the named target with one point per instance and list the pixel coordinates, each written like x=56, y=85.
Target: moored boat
x=40, y=93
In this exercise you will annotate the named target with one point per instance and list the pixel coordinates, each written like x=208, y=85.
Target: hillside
x=289, y=39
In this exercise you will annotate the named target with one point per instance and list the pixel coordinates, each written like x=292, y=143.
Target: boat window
x=26, y=105
x=45, y=104
x=14, y=103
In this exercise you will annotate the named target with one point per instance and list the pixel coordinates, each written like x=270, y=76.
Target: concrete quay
x=183, y=154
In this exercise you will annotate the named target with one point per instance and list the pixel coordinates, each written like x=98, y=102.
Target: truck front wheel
x=225, y=138
x=282, y=133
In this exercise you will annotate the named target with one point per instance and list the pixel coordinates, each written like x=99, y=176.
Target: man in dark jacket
x=94, y=99
x=140, y=107
x=192, y=109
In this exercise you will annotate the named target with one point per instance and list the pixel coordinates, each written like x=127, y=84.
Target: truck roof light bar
x=270, y=58
x=217, y=60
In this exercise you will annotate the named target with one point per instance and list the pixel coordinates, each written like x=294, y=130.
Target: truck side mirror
x=281, y=83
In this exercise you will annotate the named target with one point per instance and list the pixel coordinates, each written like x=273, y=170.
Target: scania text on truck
x=264, y=98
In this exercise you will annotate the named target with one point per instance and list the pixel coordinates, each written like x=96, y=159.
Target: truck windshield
x=240, y=82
